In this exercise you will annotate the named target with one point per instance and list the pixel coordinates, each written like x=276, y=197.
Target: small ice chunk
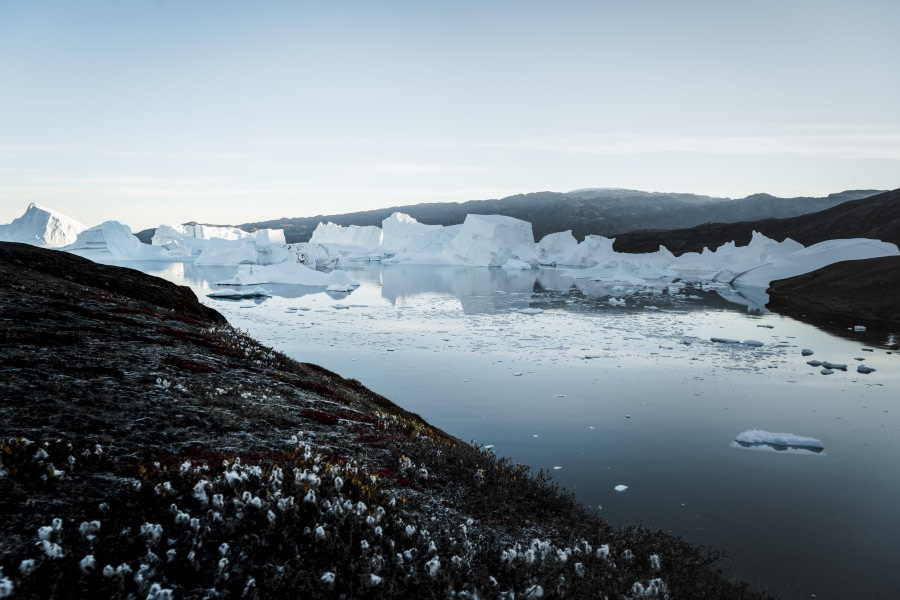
x=864, y=369
x=814, y=363
x=767, y=326
x=627, y=416
x=754, y=343
x=868, y=349
x=530, y=311
x=719, y=340
x=621, y=488
x=806, y=352
x=616, y=302
x=753, y=437
x=859, y=328
x=835, y=366
x=826, y=371
x=517, y=374
x=557, y=468
x=560, y=396
x=339, y=287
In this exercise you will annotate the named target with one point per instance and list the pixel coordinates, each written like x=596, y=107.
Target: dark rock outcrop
x=22, y=260
x=853, y=292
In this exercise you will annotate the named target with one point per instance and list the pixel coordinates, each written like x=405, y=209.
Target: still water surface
x=636, y=395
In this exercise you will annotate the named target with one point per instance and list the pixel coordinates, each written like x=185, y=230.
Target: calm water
x=636, y=395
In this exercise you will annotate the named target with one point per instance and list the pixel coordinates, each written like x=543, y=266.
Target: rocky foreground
x=149, y=450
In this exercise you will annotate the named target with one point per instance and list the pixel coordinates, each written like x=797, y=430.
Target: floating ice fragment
x=859, y=328
x=754, y=343
x=530, y=311
x=777, y=441
x=814, y=363
x=826, y=371
x=237, y=294
x=806, y=352
x=557, y=468
x=864, y=369
x=836, y=366
x=767, y=326
x=616, y=302
x=560, y=396
x=621, y=488
x=719, y=340
x=517, y=374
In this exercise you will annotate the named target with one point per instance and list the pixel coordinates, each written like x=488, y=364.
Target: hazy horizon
x=226, y=112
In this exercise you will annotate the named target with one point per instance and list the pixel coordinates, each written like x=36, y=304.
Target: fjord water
x=635, y=395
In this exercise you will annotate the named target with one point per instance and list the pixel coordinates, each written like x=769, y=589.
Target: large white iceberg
x=192, y=240
x=492, y=240
x=555, y=248
x=366, y=238
x=41, y=226
x=113, y=240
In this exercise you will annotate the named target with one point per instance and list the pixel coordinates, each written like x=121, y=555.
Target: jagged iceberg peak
x=42, y=226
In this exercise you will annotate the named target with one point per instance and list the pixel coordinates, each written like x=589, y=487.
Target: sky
x=220, y=111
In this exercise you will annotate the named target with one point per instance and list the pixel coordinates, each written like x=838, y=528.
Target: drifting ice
x=288, y=273
x=779, y=441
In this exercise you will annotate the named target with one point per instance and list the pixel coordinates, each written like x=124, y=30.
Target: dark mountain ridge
x=608, y=212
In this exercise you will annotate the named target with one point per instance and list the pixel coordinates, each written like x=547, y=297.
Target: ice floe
x=777, y=441
x=240, y=293
x=289, y=273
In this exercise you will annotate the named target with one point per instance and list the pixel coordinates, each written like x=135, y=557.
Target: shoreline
x=211, y=462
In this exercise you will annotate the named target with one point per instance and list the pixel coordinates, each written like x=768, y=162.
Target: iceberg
x=402, y=234
x=366, y=238
x=193, y=240
x=492, y=240
x=219, y=251
x=113, y=240
x=41, y=226
x=555, y=248
x=777, y=441
x=805, y=260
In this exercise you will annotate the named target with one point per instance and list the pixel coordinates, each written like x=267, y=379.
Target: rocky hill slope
x=149, y=450
x=845, y=294
x=877, y=217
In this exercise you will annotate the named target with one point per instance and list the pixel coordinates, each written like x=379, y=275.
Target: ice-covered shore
x=482, y=241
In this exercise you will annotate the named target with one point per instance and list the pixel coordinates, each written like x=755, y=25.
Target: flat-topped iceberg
x=41, y=226
x=366, y=238
x=113, y=240
x=492, y=240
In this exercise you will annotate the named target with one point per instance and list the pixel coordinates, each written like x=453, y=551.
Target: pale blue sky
x=231, y=111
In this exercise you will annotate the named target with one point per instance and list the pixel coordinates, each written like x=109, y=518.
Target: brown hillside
x=877, y=217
